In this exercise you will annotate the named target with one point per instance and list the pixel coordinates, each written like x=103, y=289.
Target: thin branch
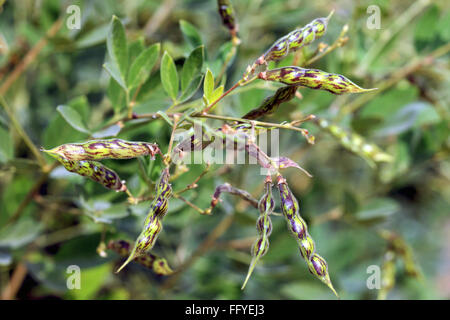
x=30, y=57
x=37, y=154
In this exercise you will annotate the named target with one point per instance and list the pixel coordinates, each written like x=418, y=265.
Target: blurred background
x=363, y=215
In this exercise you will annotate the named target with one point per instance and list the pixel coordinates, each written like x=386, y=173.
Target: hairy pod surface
x=105, y=149
x=266, y=205
x=313, y=79
x=316, y=264
x=152, y=224
x=95, y=171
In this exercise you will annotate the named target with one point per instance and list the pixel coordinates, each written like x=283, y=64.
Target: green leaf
x=216, y=93
x=427, y=24
x=116, y=43
x=111, y=131
x=191, y=89
x=6, y=146
x=92, y=280
x=142, y=66
x=116, y=95
x=165, y=117
x=114, y=73
x=378, y=208
x=19, y=234
x=444, y=27
x=57, y=132
x=93, y=37
x=208, y=86
x=169, y=76
x=192, y=67
x=190, y=33
x=73, y=118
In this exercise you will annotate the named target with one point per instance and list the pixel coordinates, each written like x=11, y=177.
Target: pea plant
x=156, y=142
x=130, y=69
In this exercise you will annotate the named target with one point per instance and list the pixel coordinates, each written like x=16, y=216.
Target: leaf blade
x=169, y=76
x=142, y=66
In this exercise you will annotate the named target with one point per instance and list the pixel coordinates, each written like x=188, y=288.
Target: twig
x=190, y=204
x=23, y=134
x=30, y=57
x=159, y=17
x=15, y=283
x=340, y=41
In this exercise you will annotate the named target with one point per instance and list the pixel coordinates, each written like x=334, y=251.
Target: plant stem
x=30, y=57
x=23, y=134
x=237, y=84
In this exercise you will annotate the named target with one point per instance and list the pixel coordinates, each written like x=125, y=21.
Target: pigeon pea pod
x=227, y=14
x=152, y=224
x=266, y=206
x=271, y=104
x=105, y=149
x=95, y=171
x=289, y=204
x=313, y=79
x=355, y=143
x=149, y=260
x=295, y=40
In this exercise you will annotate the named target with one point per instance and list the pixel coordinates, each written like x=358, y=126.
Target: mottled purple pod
x=105, y=149
x=148, y=260
x=297, y=226
x=95, y=171
x=295, y=40
x=152, y=223
x=318, y=267
x=313, y=79
x=266, y=206
x=227, y=14
x=271, y=104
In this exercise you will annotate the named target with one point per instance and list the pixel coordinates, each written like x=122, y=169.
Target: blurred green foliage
x=73, y=90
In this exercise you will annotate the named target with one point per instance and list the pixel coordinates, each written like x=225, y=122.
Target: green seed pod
x=152, y=223
x=355, y=143
x=295, y=40
x=95, y=171
x=289, y=205
x=266, y=206
x=105, y=149
x=271, y=104
x=228, y=17
x=151, y=261
x=313, y=79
